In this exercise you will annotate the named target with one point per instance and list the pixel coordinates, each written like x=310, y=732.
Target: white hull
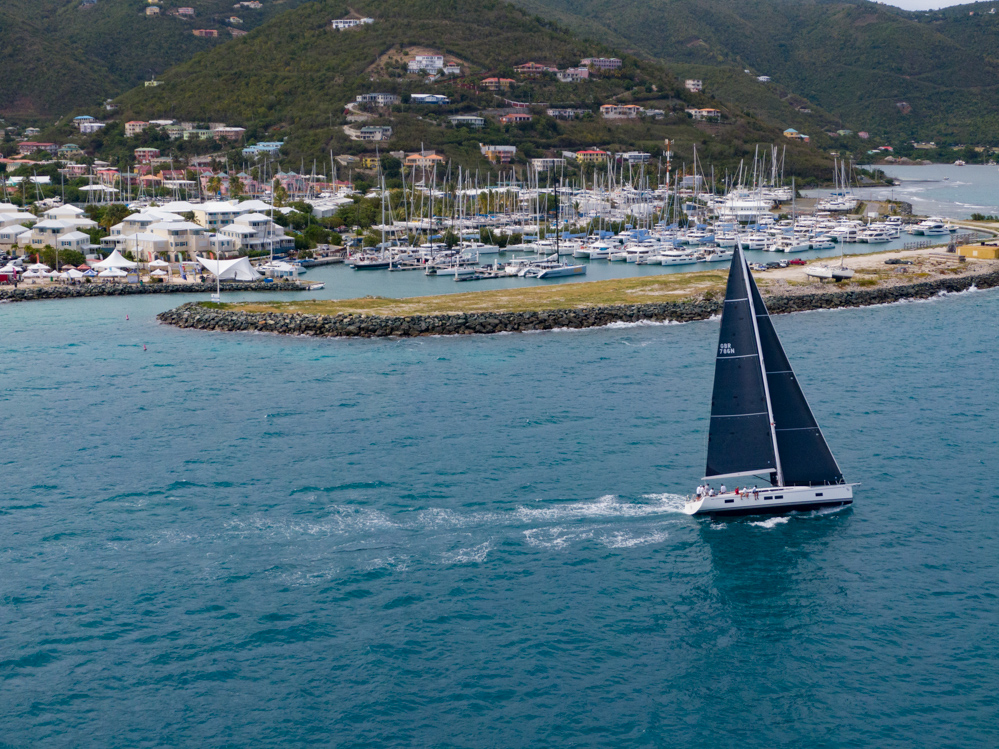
x=769, y=500
x=565, y=270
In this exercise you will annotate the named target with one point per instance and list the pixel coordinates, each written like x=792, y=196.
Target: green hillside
x=894, y=73
x=292, y=78
x=58, y=55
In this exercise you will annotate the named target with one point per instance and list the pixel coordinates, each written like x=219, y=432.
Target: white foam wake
x=627, y=541
x=606, y=506
x=771, y=522
x=474, y=554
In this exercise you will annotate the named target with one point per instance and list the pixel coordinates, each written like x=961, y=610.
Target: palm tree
x=235, y=187
x=114, y=214
x=214, y=184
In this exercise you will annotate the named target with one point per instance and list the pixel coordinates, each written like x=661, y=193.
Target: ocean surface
x=251, y=540
x=941, y=190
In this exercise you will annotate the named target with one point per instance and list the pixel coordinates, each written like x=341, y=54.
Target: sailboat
x=761, y=424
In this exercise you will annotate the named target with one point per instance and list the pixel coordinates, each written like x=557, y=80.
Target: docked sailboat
x=761, y=424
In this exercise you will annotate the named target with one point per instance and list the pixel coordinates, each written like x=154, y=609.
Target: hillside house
x=601, y=63
x=573, y=75
x=591, y=156
x=497, y=84
x=516, y=118
x=379, y=100
x=70, y=151
x=145, y=155
x=206, y=33
x=704, y=114
x=29, y=146
x=430, y=64
x=227, y=132
x=264, y=147
x=152, y=10
x=694, y=85
x=633, y=157
x=498, y=154
x=533, y=69
x=135, y=127
x=560, y=113
x=185, y=12
x=342, y=24
x=468, y=120
x=78, y=123
x=368, y=132
x=620, y=111
x=544, y=164
x=423, y=160
x=763, y=78
x=91, y=127
x=437, y=99
x=795, y=135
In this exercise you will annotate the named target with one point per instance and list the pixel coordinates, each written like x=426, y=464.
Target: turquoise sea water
x=250, y=540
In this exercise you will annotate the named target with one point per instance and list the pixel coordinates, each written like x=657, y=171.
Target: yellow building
x=984, y=251
x=369, y=162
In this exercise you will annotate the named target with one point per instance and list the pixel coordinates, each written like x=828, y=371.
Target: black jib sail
x=760, y=426
x=740, y=441
x=805, y=458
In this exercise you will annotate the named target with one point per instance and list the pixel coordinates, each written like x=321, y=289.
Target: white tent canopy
x=112, y=273
x=114, y=260
x=230, y=270
x=159, y=264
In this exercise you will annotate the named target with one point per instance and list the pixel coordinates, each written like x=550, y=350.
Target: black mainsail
x=760, y=420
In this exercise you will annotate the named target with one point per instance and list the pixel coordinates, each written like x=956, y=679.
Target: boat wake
x=771, y=522
x=606, y=506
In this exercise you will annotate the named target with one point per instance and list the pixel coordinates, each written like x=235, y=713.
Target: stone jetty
x=209, y=317
x=27, y=293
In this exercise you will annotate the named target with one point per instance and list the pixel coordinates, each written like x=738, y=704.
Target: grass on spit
x=647, y=289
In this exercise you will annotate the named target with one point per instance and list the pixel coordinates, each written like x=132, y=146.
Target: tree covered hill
x=292, y=78
x=895, y=73
x=60, y=54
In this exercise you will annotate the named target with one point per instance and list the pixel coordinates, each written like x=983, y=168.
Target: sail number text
x=725, y=348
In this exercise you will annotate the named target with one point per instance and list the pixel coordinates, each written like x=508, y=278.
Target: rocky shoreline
x=195, y=315
x=60, y=291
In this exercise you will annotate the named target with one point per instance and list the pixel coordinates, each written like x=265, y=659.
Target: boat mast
x=763, y=367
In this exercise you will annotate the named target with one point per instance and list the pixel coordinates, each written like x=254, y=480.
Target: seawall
x=26, y=293
x=194, y=315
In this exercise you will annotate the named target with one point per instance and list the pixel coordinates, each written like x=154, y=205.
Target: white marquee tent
x=114, y=260
x=230, y=270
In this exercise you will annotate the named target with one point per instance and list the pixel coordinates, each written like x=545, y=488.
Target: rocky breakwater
x=202, y=317
x=194, y=315
x=73, y=291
